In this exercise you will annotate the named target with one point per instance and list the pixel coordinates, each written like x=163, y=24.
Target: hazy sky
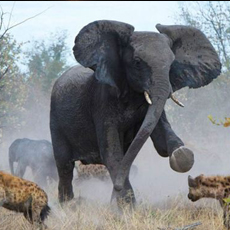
x=73, y=15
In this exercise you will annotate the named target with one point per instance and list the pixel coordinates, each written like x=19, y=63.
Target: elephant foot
x=182, y=159
x=123, y=198
x=65, y=197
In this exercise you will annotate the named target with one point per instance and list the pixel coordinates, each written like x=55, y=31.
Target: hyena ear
x=192, y=182
x=199, y=178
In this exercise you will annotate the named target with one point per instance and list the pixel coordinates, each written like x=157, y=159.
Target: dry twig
x=190, y=226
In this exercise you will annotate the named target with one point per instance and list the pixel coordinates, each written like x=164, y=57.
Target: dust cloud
x=155, y=180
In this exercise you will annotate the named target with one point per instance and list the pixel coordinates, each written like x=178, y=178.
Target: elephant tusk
x=147, y=98
x=176, y=101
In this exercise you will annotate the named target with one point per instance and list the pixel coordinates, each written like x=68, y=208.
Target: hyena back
x=98, y=171
x=91, y=171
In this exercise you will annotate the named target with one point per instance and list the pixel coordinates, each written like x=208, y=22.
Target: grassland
x=92, y=215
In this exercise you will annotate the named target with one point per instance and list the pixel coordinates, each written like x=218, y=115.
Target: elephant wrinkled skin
x=103, y=110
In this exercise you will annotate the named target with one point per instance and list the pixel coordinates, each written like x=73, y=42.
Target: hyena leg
x=28, y=210
x=226, y=214
x=2, y=196
x=28, y=215
x=36, y=219
x=37, y=207
x=226, y=217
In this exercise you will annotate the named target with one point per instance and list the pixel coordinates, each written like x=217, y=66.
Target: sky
x=72, y=16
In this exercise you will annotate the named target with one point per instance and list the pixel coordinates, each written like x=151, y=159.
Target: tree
x=225, y=123
x=213, y=18
x=47, y=60
x=24, y=97
x=12, y=84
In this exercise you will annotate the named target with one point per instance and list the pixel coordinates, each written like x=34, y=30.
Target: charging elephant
x=103, y=111
x=38, y=155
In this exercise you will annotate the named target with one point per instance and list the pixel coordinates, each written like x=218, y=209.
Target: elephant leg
x=65, y=165
x=40, y=178
x=168, y=144
x=112, y=153
x=21, y=169
x=124, y=196
x=53, y=175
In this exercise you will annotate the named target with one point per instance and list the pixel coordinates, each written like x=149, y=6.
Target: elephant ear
x=196, y=62
x=99, y=45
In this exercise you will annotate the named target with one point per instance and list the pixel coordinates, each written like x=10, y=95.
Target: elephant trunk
x=153, y=114
x=11, y=163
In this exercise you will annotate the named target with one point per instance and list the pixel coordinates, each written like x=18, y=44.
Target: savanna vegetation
x=26, y=80
x=27, y=77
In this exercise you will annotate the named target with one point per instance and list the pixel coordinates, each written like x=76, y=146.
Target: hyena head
x=196, y=189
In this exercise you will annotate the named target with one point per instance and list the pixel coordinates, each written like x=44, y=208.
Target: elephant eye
x=137, y=61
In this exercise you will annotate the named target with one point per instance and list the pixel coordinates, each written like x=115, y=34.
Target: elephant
x=38, y=155
x=105, y=108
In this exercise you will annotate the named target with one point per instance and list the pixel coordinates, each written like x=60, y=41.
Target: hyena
x=217, y=187
x=91, y=171
x=96, y=171
x=24, y=196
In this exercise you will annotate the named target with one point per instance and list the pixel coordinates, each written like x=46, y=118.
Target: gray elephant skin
x=103, y=110
x=36, y=154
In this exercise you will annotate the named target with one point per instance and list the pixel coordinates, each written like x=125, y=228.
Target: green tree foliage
x=213, y=18
x=13, y=91
x=47, y=60
x=225, y=123
x=24, y=97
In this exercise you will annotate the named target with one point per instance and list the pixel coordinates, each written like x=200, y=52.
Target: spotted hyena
x=91, y=171
x=96, y=171
x=217, y=187
x=24, y=196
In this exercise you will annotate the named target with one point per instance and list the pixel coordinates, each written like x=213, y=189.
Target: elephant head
x=153, y=64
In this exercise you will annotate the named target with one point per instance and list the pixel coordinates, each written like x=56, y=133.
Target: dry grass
x=92, y=215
